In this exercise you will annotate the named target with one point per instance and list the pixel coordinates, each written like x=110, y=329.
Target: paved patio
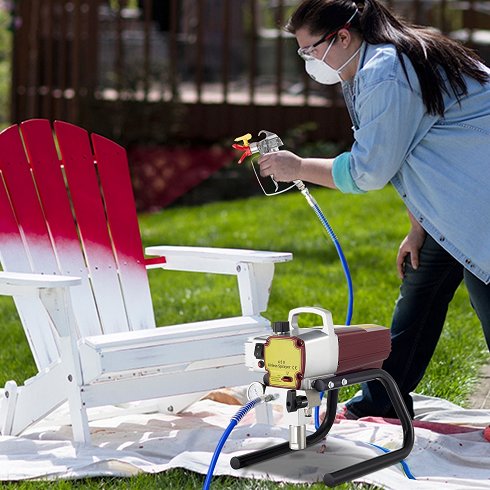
x=481, y=397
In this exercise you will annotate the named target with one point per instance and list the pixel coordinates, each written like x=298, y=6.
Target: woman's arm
x=380, y=148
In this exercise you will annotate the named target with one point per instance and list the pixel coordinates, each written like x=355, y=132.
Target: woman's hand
x=411, y=244
x=284, y=166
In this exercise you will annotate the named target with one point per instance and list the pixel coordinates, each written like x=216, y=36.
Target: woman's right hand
x=411, y=244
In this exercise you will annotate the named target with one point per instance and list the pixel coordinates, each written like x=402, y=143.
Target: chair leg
x=264, y=413
x=78, y=416
x=22, y=406
x=73, y=384
x=7, y=408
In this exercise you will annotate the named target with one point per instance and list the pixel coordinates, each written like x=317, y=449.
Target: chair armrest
x=53, y=293
x=18, y=283
x=214, y=260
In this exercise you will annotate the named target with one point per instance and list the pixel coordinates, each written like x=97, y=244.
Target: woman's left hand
x=411, y=246
x=283, y=165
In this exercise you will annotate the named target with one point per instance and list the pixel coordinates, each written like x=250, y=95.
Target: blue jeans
x=417, y=323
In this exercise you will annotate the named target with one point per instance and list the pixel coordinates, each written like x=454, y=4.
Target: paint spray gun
x=271, y=142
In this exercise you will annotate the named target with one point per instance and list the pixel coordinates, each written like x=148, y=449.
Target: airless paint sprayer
x=299, y=364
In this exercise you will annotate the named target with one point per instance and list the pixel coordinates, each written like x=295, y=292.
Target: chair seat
x=207, y=344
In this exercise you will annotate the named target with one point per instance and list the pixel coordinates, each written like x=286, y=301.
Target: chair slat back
x=115, y=181
x=14, y=257
x=90, y=213
x=23, y=196
x=48, y=176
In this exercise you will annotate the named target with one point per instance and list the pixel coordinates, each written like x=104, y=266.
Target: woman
x=420, y=107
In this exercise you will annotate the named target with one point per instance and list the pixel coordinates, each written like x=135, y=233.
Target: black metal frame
x=332, y=386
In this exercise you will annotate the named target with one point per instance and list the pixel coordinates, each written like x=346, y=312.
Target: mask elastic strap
x=349, y=60
x=328, y=49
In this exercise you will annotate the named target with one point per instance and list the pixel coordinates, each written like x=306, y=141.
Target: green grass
x=369, y=228
x=172, y=480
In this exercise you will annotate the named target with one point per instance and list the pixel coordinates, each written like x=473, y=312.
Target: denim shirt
x=440, y=166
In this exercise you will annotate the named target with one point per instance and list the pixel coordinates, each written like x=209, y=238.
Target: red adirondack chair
x=72, y=259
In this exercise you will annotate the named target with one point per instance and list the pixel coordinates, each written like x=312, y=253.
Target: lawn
x=369, y=228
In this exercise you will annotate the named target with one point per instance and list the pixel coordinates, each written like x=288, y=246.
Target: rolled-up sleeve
x=341, y=175
x=390, y=114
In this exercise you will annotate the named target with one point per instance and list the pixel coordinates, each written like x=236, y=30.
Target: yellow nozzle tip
x=245, y=138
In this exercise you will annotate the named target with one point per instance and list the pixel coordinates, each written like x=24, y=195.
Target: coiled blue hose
x=233, y=422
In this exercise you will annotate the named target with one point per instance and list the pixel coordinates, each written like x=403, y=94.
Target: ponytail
x=433, y=56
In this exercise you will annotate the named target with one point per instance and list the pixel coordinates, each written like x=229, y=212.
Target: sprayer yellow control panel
x=284, y=359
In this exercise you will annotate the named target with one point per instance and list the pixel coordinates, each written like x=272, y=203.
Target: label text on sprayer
x=284, y=361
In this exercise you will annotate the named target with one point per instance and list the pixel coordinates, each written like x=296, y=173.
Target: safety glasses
x=307, y=52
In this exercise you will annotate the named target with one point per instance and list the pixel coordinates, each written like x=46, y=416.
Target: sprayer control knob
x=281, y=328
x=295, y=402
x=259, y=351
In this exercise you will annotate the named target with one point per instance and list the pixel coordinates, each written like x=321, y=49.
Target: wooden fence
x=155, y=70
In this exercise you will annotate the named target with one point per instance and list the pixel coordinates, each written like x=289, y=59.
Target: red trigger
x=245, y=149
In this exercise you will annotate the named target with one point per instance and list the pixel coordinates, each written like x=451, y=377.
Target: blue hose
x=405, y=467
x=233, y=422
x=350, y=306
x=343, y=260
x=317, y=413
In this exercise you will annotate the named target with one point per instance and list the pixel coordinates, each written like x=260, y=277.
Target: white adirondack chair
x=72, y=259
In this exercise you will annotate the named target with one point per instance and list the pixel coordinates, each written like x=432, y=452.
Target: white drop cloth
x=126, y=444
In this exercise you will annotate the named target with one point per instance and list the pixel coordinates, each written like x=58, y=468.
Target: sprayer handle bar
x=333, y=384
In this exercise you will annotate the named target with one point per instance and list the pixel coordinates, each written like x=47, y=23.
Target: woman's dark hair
x=428, y=51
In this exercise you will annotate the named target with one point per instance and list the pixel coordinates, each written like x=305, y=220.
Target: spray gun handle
x=270, y=143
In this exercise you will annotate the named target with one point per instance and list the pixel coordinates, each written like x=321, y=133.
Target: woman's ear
x=345, y=37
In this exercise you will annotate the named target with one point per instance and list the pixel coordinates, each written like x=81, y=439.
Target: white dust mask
x=322, y=72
